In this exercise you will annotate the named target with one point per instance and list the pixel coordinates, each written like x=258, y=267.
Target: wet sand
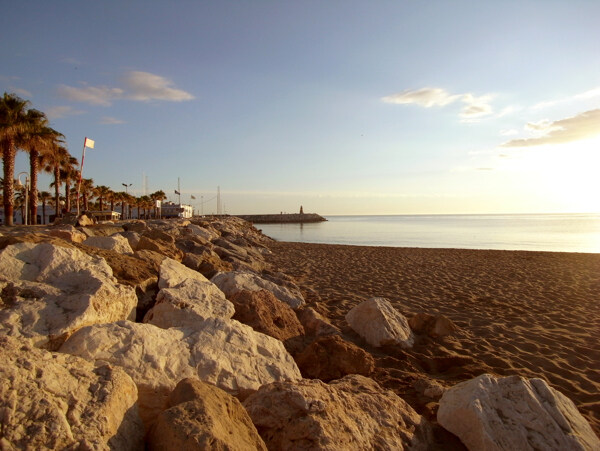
x=536, y=314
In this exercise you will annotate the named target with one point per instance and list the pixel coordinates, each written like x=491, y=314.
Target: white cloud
x=107, y=120
x=476, y=107
x=21, y=92
x=94, y=95
x=589, y=94
x=57, y=112
x=509, y=110
x=144, y=86
x=582, y=126
x=139, y=86
x=509, y=132
x=426, y=97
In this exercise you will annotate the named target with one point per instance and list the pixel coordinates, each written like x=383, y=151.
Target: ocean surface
x=538, y=232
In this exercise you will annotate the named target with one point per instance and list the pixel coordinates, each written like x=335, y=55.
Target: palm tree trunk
x=33, y=193
x=67, y=196
x=43, y=212
x=8, y=155
x=57, y=211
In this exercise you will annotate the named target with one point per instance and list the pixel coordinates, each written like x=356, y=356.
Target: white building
x=172, y=210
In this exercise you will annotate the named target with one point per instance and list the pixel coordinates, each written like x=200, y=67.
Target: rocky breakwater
x=285, y=218
x=177, y=334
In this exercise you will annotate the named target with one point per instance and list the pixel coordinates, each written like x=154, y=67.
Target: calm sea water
x=540, y=232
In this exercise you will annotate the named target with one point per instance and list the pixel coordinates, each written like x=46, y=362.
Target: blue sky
x=344, y=107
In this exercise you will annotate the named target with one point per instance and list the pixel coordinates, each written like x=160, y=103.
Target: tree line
x=26, y=129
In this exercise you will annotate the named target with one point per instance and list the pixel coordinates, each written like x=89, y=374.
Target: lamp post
x=26, y=194
x=126, y=186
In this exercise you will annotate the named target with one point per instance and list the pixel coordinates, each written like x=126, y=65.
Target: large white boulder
x=117, y=243
x=51, y=291
x=57, y=401
x=349, y=413
x=227, y=354
x=187, y=303
x=207, y=234
x=380, y=324
x=234, y=282
x=185, y=298
x=513, y=413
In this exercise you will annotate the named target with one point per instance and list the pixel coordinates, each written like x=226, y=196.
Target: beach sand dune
x=536, y=314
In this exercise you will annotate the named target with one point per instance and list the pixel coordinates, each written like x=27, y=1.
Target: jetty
x=285, y=218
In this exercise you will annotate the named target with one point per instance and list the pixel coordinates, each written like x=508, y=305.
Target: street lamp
x=26, y=193
x=126, y=186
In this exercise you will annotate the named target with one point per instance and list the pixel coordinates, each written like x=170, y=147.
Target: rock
x=188, y=303
x=315, y=325
x=136, y=226
x=349, y=413
x=207, y=233
x=262, y=311
x=117, y=243
x=201, y=417
x=49, y=291
x=57, y=401
x=227, y=354
x=162, y=247
x=84, y=221
x=153, y=258
x=434, y=326
x=428, y=388
x=380, y=324
x=234, y=282
x=132, y=237
x=103, y=230
x=159, y=235
x=172, y=273
x=506, y=413
x=331, y=357
x=68, y=233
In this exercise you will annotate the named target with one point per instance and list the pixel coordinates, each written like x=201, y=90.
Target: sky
x=343, y=107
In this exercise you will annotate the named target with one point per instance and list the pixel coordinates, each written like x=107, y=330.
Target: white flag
x=89, y=143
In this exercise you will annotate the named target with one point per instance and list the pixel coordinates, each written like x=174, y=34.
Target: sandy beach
x=536, y=314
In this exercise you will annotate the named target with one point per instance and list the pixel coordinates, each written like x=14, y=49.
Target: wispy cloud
x=138, y=86
x=581, y=126
x=22, y=92
x=509, y=132
x=144, y=86
x=57, y=112
x=94, y=95
x=475, y=107
x=426, y=97
x=589, y=94
x=107, y=120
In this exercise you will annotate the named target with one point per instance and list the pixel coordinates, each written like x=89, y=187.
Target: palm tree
x=101, y=192
x=12, y=125
x=20, y=199
x=117, y=197
x=87, y=191
x=38, y=139
x=45, y=196
x=158, y=195
x=68, y=173
x=53, y=161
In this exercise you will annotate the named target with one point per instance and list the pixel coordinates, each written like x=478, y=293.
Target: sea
x=529, y=232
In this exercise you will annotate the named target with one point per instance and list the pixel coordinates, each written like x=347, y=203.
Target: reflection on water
x=552, y=232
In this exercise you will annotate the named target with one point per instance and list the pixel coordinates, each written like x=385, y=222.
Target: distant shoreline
x=286, y=218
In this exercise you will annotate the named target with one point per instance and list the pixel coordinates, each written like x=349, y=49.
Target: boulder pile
x=179, y=334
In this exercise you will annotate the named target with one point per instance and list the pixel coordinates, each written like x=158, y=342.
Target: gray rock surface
x=380, y=324
x=57, y=401
x=513, y=413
